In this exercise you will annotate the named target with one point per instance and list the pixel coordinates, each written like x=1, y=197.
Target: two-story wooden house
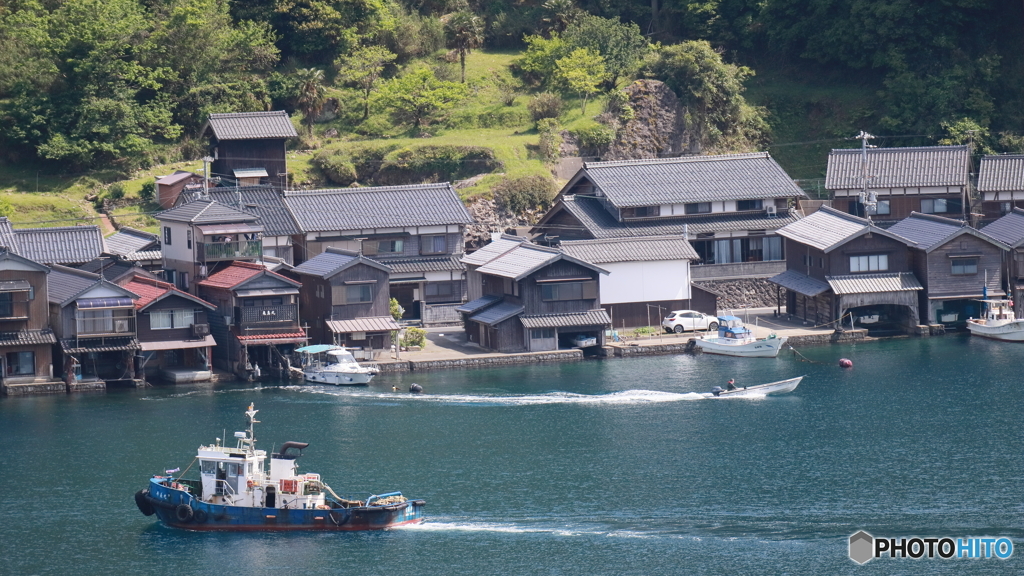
x=535, y=298
x=279, y=228
x=249, y=147
x=842, y=267
x=956, y=264
x=1009, y=231
x=345, y=301
x=94, y=322
x=1001, y=185
x=415, y=230
x=201, y=237
x=256, y=323
x=929, y=180
x=173, y=331
x=68, y=245
x=26, y=341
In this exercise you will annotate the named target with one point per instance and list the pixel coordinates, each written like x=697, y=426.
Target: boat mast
x=251, y=440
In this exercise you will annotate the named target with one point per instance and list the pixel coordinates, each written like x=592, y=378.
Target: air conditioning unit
x=200, y=330
x=121, y=326
x=770, y=210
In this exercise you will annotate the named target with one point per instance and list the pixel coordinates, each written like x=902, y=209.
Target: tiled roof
x=898, y=167
x=520, y=261
x=205, y=212
x=330, y=262
x=691, y=179
x=27, y=337
x=445, y=263
x=150, y=290
x=493, y=248
x=250, y=125
x=600, y=224
x=928, y=231
x=128, y=240
x=1009, y=229
x=867, y=283
x=799, y=282
x=368, y=324
x=11, y=255
x=68, y=245
x=147, y=255
x=263, y=201
x=1001, y=173
x=474, y=306
x=651, y=248
x=376, y=207
x=237, y=273
x=7, y=238
x=497, y=313
x=270, y=338
x=567, y=319
x=64, y=283
x=828, y=228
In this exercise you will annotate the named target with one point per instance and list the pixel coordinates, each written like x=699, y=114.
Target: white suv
x=683, y=320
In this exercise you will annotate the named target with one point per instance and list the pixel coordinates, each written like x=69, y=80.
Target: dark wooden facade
x=323, y=299
x=198, y=358
x=950, y=290
x=24, y=311
x=266, y=153
x=901, y=206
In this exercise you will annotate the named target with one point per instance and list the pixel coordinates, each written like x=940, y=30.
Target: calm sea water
x=600, y=467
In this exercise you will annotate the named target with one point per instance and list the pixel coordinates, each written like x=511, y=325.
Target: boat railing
x=374, y=497
x=219, y=488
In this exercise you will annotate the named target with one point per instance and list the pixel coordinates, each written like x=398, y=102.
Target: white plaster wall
x=645, y=281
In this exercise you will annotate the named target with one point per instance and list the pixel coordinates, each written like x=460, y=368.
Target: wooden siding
x=147, y=334
x=258, y=153
x=507, y=336
x=530, y=290
x=795, y=253
x=43, y=363
x=837, y=262
x=37, y=307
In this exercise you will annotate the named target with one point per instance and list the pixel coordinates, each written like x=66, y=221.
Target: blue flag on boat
x=171, y=471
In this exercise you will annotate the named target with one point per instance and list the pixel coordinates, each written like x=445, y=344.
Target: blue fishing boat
x=237, y=492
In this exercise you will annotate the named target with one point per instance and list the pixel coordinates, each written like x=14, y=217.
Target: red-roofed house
x=256, y=325
x=173, y=330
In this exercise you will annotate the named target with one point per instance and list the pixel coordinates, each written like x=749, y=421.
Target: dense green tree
x=310, y=97
x=621, y=45
x=464, y=31
x=363, y=68
x=582, y=71
x=559, y=14
x=418, y=97
x=537, y=64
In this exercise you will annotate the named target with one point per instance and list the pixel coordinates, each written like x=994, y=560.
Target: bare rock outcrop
x=658, y=125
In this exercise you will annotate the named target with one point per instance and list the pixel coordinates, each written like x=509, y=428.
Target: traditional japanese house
x=1001, y=185
x=929, y=180
x=256, y=324
x=173, y=331
x=267, y=204
x=1009, y=230
x=416, y=231
x=128, y=240
x=202, y=237
x=344, y=300
x=841, y=267
x=535, y=298
x=249, y=147
x=69, y=245
x=956, y=264
x=26, y=341
x=728, y=207
x=94, y=322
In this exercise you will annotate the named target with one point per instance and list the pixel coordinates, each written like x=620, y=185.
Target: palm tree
x=561, y=13
x=465, y=31
x=310, y=95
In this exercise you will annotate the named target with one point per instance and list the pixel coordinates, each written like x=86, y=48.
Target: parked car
x=683, y=320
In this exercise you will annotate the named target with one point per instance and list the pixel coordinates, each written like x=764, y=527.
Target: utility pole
x=206, y=175
x=867, y=199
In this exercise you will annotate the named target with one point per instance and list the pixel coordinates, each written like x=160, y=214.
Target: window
x=6, y=304
x=807, y=260
x=871, y=263
x=1005, y=208
x=882, y=207
x=167, y=235
x=188, y=238
x=542, y=333
x=167, y=319
x=390, y=246
x=21, y=363
x=748, y=205
x=646, y=211
x=698, y=208
x=95, y=321
x=965, y=265
x=359, y=293
x=941, y=206
x=183, y=277
x=439, y=289
x=319, y=290
x=434, y=245
x=569, y=290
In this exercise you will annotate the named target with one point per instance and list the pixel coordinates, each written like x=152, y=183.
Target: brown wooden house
x=535, y=298
x=1009, y=231
x=26, y=341
x=345, y=301
x=1001, y=185
x=842, y=268
x=956, y=264
x=249, y=147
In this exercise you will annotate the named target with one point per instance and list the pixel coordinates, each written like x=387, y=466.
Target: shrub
x=337, y=166
x=434, y=163
x=545, y=105
x=415, y=337
x=116, y=191
x=594, y=136
x=395, y=309
x=550, y=139
x=148, y=191
x=523, y=194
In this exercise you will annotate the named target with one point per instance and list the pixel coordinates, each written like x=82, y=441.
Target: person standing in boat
x=731, y=385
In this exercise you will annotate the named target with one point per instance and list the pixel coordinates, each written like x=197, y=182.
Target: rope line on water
x=805, y=358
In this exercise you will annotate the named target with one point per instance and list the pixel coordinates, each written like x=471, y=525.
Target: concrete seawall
x=479, y=361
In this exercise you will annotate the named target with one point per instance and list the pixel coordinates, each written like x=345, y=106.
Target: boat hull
x=166, y=503
x=339, y=378
x=1012, y=331
x=763, y=348
x=770, y=389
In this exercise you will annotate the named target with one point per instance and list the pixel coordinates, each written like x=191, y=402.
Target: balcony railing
x=13, y=311
x=109, y=326
x=267, y=316
x=241, y=249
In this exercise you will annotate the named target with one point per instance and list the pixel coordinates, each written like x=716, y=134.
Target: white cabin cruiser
x=339, y=367
x=998, y=322
x=735, y=339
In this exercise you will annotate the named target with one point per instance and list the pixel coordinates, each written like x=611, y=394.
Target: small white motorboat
x=339, y=367
x=998, y=322
x=770, y=389
x=734, y=339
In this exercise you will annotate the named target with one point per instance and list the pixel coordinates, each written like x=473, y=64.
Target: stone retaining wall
x=828, y=338
x=480, y=361
x=651, y=349
x=741, y=293
x=34, y=389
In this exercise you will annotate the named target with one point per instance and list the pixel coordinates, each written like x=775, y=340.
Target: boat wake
x=623, y=397
x=431, y=525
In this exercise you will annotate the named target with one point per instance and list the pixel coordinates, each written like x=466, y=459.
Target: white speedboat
x=734, y=339
x=998, y=322
x=770, y=389
x=339, y=367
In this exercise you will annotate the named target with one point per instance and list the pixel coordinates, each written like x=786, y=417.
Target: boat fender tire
x=143, y=503
x=183, y=512
x=199, y=516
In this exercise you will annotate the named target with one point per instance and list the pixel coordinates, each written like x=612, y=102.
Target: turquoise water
x=599, y=467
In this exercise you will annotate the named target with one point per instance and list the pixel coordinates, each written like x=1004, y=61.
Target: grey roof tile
x=63, y=283
x=520, y=261
x=27, y=337
x=479, y=304
x=366, y=324
x=926, y=230
x=7, y=237
x=828, y=228
x=205, y=212
x=868, y=283
x=691, y=179
x=128, y=240
x=376, y=207
x=1009, y=229
x=494, y=248
x=68, y=245
x=898, y=167
x=650, y=248
x=263, y=201
x=1001, y=173
x=497, y=313
x=250, y=125
x=445, y=263
x=145, y=255
x=567, y=319
x=799, y=282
